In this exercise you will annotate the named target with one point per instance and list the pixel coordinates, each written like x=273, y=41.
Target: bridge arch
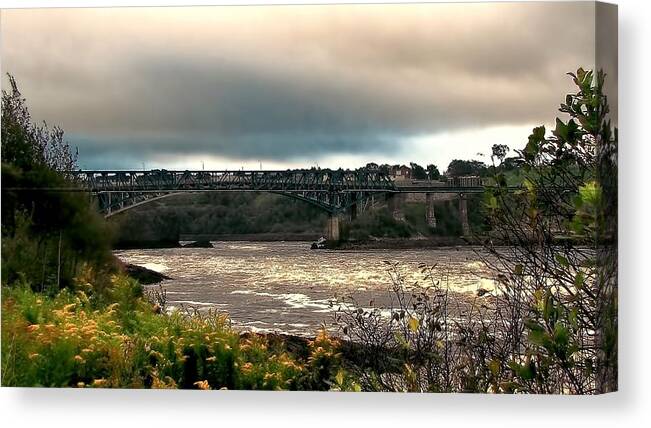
x=334, y=191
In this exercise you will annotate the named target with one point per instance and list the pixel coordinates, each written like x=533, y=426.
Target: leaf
x=579, y=279
x=590, y=193
x=494, y=366
x=533, y=325
x=573, y=317
x=517, y=269
x=561, y=335
x=339, y=378
x=414, y=324
x=562, y=260
x=492, y=202
x=561, y=130
x=539, y=338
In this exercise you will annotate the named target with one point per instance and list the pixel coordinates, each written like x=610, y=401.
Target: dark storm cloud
x=291, y=82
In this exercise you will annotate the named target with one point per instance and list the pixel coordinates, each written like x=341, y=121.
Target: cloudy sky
x=295, y=86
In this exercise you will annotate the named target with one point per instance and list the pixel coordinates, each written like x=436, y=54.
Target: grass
x=69, y=340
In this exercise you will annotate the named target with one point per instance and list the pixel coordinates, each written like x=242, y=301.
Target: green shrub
x=69, y=340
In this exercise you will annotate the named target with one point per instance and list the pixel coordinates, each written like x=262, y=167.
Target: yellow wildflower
x=202, y=384
x=99, y=382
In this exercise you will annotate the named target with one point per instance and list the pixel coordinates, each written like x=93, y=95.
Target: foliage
x=377, y=223
x=433, y=172
x=46, y=235
x=559, y=265
x=499, y=152
x=459, y=168
x=27, y=145
x=550, y=323
x=67, y=340
x=218, y=213
x=418, y=172
x=427, y=339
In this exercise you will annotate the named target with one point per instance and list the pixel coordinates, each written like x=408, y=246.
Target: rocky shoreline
x=403, y=243
x=370, y=244
x=142, y=274
x=353, y=353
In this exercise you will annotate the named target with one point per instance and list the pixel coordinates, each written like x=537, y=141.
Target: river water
x=286, y=287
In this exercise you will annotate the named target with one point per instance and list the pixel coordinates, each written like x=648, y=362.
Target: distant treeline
x=217, y=214
x=165, y=220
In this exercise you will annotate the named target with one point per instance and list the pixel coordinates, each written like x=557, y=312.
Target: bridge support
x=463, y=214
x=430, y=216
x=354, y=211
x=394, y=202
x=332, y=227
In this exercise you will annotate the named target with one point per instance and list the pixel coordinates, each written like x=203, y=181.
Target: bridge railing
x=312, y=180
x=466, y=181
x=291, y=180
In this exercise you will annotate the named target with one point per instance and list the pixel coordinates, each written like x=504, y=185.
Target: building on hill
x=400, y=172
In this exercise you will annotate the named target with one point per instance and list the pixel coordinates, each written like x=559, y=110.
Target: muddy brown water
x=286, y=287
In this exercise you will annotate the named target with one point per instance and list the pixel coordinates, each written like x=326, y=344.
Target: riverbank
x=68, y=340
x=202, y=241
x=204, y=238
x=260, y=237
x=141, y=274
x=404, y=243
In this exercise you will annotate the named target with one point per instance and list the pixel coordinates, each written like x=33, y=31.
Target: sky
x=278, y=87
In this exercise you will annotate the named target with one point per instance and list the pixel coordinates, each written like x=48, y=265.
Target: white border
x=99, y=408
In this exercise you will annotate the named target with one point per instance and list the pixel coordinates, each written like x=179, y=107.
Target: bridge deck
x=331, y=190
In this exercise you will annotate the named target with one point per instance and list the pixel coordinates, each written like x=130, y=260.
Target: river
x=286, y=287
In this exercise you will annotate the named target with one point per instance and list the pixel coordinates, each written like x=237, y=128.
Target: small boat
x=319, y=244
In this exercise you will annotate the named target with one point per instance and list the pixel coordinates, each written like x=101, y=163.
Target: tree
x=433, y=172
x=417, y=171
x=27, y=145
x=550, y=324
x=499, y=152
x=47, y=235
x=459, y=168
x=384, y=168
x=554, y=243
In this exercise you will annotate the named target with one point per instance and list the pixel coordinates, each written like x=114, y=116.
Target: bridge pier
x=430, y=216
x=354, y=211
x=333, y=227
x=395, y=202
x=463, y=214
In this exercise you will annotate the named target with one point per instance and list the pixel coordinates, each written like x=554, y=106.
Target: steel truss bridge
x=332, y=190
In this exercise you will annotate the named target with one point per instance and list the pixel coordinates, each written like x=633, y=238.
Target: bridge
x=335, y=191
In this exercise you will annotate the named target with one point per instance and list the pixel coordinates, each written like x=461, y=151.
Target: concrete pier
x=430, y=216
x=332, y=228
x=354, y=211
x=463, y=214
x=395, y=202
